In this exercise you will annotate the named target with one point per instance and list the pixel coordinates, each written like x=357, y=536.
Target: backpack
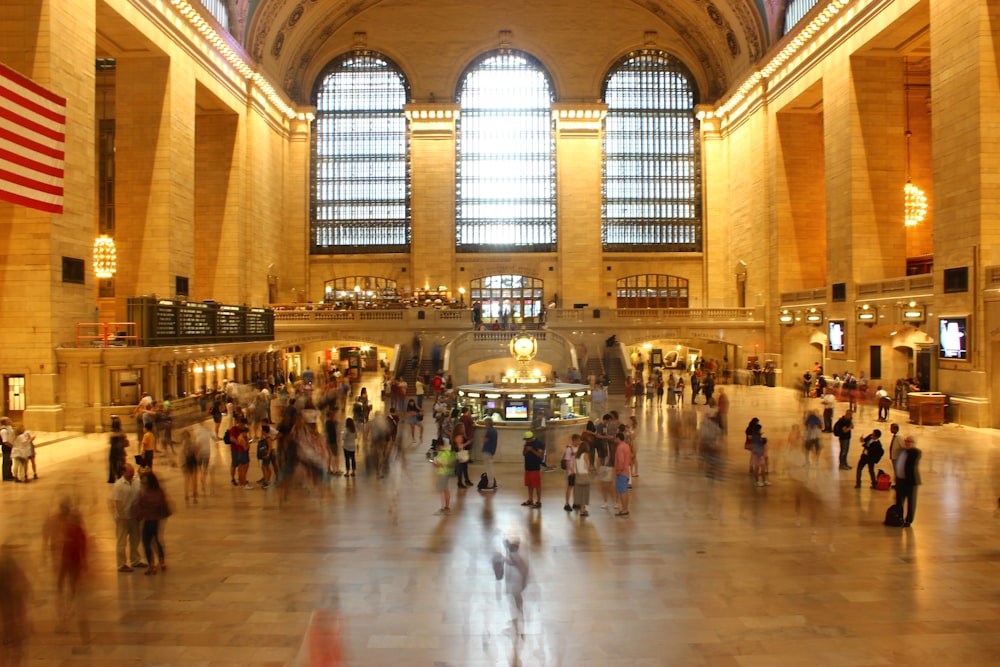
x=484, y=482
x=894, y=516
x=883, y=481
x=874, y=449
x=226, y=439
x=262, y=449
x=838, y=428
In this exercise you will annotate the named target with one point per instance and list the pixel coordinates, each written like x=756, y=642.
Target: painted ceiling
x=720, y=40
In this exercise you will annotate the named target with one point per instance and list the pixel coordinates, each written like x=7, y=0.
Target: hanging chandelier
x=914, y=199
x=105, y=256
x=914, y=204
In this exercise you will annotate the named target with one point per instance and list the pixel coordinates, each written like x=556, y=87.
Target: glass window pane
x=652, y=175
x=795, y=10
x=360, y=158
x=505, y=169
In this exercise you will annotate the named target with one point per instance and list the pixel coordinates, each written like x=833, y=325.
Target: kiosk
x=522, y=401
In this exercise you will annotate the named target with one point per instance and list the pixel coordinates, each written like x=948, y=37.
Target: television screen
x=954, y=341
x=516, y=410
x=836, y=331
x=491, y=405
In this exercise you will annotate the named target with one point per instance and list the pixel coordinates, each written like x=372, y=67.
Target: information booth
x=553, y=411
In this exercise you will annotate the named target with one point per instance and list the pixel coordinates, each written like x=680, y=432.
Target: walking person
x=907, y=479
x=842, y=429
x=152, y=507
x=21, y=451
x=124, y=505
x=623, y=466
x=7, y=443
x=444, y=463
x=490, y=440
x=533, y=453
x=462, y=445
x=568, y=464
x=584, y=468
x=349, y=441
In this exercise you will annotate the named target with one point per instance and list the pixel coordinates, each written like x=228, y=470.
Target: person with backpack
x=872, y=453
x=842, y=430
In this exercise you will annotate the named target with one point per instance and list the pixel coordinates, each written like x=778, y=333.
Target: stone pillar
x=578, y=187
x=965, y=96
x=154, y=161
x=47, y=41
x=217, y=195
x=432, y=194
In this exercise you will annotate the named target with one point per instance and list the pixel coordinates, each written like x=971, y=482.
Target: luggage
x=894, y=516
x=883, y=481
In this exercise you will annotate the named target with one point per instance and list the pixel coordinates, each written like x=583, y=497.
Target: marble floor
x=704, y=571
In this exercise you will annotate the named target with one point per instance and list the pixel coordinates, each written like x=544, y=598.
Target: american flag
x=32, y=143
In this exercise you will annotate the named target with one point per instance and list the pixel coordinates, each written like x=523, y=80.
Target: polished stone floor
x=704, y=571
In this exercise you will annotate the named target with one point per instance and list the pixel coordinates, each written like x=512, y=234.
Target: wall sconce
x=199, y=369
x=867, y=315
x=786, y=317
x=814, y=316
x=913, y=312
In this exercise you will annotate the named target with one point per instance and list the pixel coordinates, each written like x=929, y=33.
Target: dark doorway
x=875, y=361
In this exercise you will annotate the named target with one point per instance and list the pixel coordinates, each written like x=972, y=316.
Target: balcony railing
x=296, y=314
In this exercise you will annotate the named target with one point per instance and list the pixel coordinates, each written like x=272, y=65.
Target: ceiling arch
x=291, y=40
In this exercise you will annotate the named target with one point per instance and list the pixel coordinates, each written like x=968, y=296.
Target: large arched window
x=505, y=171
x=360, y=158
x=652, y=161
x=795, y=11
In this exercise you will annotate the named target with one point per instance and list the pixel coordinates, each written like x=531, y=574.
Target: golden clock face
x=524, y=346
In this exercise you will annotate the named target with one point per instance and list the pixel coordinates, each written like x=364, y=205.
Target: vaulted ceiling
x=719, y=40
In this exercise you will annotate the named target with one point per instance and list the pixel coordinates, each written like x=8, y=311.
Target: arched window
x=654, y=290
x=505, y=168
x=360, y=158
x=652, y=160
x=795, y=10
x=509, y=299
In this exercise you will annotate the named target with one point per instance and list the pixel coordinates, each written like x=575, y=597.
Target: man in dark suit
x=907, y=479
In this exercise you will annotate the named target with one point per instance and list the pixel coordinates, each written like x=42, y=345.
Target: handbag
x=462, y=456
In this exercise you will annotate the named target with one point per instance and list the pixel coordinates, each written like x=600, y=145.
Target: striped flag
x=32, y=143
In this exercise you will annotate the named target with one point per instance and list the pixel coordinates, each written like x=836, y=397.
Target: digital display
x=836, y=332
x=954, y=340
x=516, y=410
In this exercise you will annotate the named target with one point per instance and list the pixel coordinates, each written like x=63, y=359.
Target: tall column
x=155, y=177
x=292, y=266
x=53, y=44
x=432, y=192
x=965, y=96
x=217, y=192
x=578, y=180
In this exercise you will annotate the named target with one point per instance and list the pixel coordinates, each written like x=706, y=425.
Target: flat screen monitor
x=954, y=339
x=836, y=332
x=516, y=411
